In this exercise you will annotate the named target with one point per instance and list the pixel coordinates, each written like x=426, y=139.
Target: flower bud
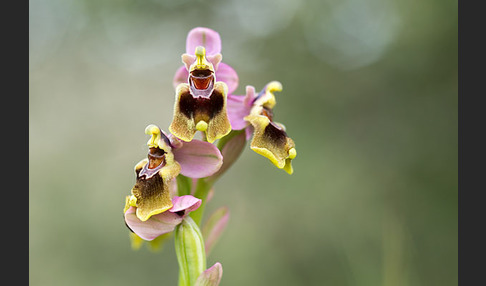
x=189, y=246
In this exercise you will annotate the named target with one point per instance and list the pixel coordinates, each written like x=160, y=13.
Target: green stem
x=184, y=185
x=228, y=137
x=201, y=192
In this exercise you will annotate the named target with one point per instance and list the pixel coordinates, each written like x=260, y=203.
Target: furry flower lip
x=269, y=137
x=167, y=157
x=151, y=192
x=254, y=113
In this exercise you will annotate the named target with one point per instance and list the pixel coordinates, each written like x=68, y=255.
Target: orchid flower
x=211, y=41
x=151, y=194
x=254, y=113
x=200, y=101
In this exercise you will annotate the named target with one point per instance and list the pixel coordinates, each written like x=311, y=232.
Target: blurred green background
x=369, y=97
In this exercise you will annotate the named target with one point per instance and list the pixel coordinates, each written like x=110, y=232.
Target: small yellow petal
x=132, y=201
x=154, y=131
x=292, y=153
x=202, y=126
x=158, y=139
x=268, y=100
x=274, y=86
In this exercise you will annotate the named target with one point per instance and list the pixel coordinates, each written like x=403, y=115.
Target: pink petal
x=198, y=159
x=205, y=37
x=210, y=277
x=155, y=226
x=237, y=110
x=228, y=75
x=174, y=141
x=186, y=203
x=181, y=76
x=215, y=60
x=188, y=60
x=250, y=95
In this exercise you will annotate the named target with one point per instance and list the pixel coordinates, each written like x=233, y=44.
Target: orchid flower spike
x=178, y=166
x=167, y=157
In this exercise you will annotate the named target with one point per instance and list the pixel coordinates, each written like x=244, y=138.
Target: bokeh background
x=370, y=98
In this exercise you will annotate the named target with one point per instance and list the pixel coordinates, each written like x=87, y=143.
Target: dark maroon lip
x=201, y=90
x=156, y=161
x=149, y=173
x=202, y=82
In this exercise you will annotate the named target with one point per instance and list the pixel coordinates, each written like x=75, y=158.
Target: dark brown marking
x=205, y=107
x=149, y=187
x=275, y=134
x=187, y=104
